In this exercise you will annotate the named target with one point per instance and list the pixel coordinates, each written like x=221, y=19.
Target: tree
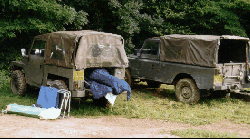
x=130, y=21
x=198, y=16
x=135, y=20
x=241, y=9
x=37, y=16
x=21, y=20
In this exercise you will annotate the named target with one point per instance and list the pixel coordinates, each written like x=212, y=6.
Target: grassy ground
x=146, y=103
x=198, y=133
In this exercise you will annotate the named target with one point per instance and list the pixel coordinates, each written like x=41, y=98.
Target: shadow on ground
x=157, y=92
x=221, y=96
x=89, y=105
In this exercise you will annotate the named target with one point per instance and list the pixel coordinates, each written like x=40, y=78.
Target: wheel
x=60, y=84
x=186, y=91
x=128, y=78
x=102, y=102
x=153, y=84
x=18, y=83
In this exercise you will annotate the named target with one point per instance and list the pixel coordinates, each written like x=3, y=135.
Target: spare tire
x=60, y=84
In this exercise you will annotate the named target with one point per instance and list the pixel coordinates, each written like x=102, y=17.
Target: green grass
x=6, y=96
x=199, y=133
x=146, y=103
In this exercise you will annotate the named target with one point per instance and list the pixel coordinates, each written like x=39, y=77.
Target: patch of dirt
x=12, y=126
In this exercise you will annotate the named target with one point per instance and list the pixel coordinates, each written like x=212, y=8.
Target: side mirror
x=23, y=51
x=37, y=52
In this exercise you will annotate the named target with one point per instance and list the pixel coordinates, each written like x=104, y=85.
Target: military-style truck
x=192, y=63
x=62, y=59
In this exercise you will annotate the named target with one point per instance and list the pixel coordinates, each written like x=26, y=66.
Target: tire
x=18, y=83
x=186, y=91
x=153, y=84
x=128, y=78
x=60, y=84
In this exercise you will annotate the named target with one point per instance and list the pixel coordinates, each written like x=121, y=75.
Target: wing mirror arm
x=138, y=54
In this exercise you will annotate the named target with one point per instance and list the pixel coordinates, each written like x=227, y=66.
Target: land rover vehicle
x=62, y=59
x=193, y=63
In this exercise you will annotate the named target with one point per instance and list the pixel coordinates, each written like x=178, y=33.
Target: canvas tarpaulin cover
x=190, y=49
x=94, y=49
x=100, y=50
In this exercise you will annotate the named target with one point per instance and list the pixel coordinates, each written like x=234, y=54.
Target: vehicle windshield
x=38, y=48
x=151, y=47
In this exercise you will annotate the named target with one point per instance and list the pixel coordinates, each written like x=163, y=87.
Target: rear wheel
x=60, y=84
x=128, y=78
x=18, y=83
x=186, y=91
x=153, y=84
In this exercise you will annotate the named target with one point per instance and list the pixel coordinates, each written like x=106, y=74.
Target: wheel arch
x=56, y=77
x=17, y=65
x=182, y=76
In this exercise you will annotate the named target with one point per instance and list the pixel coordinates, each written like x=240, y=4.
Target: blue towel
x=48, y=97
x=99, y=90
x=103, y=77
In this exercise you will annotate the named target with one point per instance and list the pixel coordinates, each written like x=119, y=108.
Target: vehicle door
x=232, y=62
x=149, y=59
x=34, y=74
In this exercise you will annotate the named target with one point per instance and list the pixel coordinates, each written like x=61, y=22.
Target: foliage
x=197, y=16
x=37, y=16
x=135, y=20
x=120, y=17
x=130, y=21
x=21, y=20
